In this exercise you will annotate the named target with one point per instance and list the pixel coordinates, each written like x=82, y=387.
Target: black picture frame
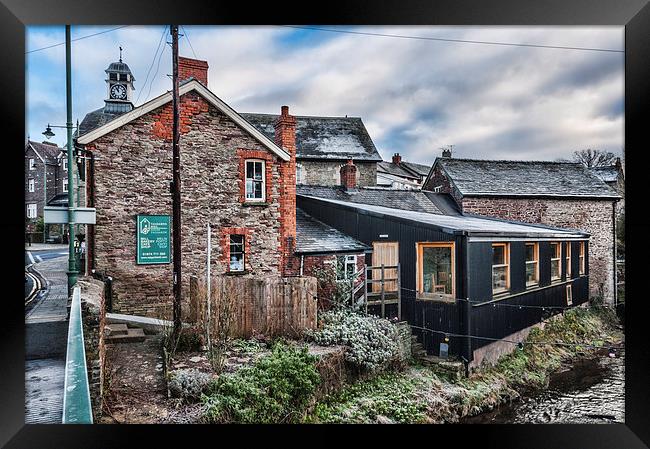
x=633, y=14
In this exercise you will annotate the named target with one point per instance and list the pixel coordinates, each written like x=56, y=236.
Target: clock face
x=118, y=91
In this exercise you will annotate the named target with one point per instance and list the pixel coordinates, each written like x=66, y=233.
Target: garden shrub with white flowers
x=371, y=342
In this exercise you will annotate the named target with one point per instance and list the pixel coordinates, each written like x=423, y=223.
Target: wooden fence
x=248, y=306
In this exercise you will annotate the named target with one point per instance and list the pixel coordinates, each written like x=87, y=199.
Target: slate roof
x=394, y=169
x=471, y=225
x=48, y=151
x=420, y=169
x=524, y=178
x=330, y=138
x=411, y=200
x=606, y=174
x=95, y=119
x=315, y=237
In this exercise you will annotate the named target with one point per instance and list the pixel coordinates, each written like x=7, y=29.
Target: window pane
x=531, y=273
x=258, y=189
x=236, y=252
x=499, y=255
x=555, y=269
x=499, y=278
x=436, y=270
x=555, y=250
x=530, y=253
x=249, y=189
x=258, y=171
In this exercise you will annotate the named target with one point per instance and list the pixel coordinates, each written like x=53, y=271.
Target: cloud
x=414, y=96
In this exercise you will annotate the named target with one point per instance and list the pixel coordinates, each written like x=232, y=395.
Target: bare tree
x=594, y=158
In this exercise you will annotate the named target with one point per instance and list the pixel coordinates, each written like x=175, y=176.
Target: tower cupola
x=119, y=83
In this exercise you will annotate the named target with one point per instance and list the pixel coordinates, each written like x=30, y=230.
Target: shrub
x=371, y=341
x=188, y=384
x=277, y=389
x=189, y=340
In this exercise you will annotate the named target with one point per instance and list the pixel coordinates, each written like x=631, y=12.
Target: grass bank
x=421, y=395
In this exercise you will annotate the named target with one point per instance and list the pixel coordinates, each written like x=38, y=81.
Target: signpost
x=153, y=239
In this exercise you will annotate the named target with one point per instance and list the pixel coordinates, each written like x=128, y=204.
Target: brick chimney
x=349, y=175
x=188, y=67
x=397, y=158
x=285, y=137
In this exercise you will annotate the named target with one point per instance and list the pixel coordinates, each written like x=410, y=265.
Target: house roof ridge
x=513, y=161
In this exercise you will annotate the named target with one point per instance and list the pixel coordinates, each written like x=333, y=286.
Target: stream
x=591, y=390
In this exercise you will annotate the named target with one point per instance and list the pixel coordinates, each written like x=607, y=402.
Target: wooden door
x=386, y=253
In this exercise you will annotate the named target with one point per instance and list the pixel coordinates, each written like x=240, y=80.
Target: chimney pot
x=397, y=159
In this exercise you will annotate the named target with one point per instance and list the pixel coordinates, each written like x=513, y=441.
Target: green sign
x=153, y=239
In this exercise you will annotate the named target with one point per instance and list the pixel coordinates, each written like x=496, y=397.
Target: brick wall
x=327, y=173
x=188, y=67
x=312, y=264
x=592, y=216
x=133, y=169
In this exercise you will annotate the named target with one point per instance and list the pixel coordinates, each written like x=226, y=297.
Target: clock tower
x=119, y=83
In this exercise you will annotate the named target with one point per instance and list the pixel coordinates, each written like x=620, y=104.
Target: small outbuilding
x=465, y=282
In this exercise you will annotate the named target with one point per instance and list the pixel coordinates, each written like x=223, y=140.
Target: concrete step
x=113, y=329
x=132, y=336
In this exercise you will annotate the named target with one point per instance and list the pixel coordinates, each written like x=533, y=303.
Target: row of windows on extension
x=436, y=275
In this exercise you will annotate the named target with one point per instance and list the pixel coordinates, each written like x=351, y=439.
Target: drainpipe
x=468, y=310
x=614, y=250
x=302, y=262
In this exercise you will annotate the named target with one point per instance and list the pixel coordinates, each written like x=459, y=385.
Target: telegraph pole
x=176, y=187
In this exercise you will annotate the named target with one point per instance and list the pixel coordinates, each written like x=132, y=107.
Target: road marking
x=29, y=254
x=65, y=254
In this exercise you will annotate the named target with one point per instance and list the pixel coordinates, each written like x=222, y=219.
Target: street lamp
x=48, y=131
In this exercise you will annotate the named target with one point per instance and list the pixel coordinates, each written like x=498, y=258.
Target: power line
x=78, y=38
x=162, y=36
x=157, y=68
x=188, y=40
x=466, y=41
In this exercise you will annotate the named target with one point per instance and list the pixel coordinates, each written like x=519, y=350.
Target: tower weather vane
x=120, y=53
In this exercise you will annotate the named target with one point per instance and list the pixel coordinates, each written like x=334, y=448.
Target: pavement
x=46, y=246
x=46, y=335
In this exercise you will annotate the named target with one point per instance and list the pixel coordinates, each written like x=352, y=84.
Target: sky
x=414, y=96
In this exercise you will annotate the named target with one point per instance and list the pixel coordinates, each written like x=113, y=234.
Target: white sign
x=81, y=215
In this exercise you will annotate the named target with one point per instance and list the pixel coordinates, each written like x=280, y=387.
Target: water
x=590, y=391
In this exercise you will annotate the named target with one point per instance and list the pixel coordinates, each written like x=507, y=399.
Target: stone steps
x=121, y=333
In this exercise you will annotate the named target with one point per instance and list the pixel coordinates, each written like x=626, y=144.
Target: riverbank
x=422, y=395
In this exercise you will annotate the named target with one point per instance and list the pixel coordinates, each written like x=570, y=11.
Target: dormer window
x=255, y=181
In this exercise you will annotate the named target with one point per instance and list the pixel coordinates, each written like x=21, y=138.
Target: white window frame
x=559, y=261
x=31, y=185
x=64, y=163
x=32, y=164
x=65, y=185
x=32, y=210
x=300, y=173
x=246, y=178
x=348, y=260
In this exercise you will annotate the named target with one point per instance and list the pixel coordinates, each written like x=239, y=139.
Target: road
x=36, y=256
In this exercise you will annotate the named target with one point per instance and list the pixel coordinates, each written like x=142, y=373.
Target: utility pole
x=72, y=265
x=176, y=187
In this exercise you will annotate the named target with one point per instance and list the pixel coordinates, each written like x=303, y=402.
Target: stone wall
x=592, y=216
x=327, y=173
x=93, y=312
x=133, y=170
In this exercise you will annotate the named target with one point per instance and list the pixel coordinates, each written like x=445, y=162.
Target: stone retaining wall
x=93, y=313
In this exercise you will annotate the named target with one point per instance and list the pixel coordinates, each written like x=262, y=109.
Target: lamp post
x=72, y=265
